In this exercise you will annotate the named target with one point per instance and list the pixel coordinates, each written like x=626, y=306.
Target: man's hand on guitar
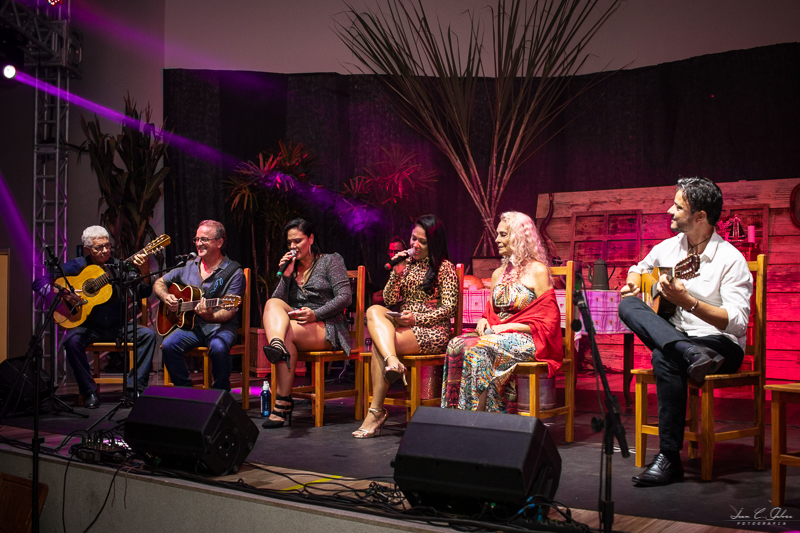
x=171, y=302
x=675, y=291
x=142, y=263
x=206, y=313
x=68, y=296
x=629, y=289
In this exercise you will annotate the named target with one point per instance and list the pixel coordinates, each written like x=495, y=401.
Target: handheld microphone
x=399, y=259
x=185, y=258
x=282, y=267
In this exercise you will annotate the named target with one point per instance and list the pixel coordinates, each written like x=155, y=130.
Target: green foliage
x=129, y=192
x=257, y=196
x=395, y=185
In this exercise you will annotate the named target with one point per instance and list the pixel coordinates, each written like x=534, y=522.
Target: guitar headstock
x=687, y=268
x=230, y=301
x=156, y=244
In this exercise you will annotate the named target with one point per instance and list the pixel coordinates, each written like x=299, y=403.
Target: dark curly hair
x=437, y=248
x=702, y=194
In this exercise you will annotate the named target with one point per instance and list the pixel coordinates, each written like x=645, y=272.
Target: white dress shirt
x=723, y=280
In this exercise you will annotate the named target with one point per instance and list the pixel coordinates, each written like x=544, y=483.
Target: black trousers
x=669, y=366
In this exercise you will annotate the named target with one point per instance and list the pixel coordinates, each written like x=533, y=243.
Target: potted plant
x=130, y=191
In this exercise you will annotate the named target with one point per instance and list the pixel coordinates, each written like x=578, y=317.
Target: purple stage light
x=355, y=215
x=188, y=146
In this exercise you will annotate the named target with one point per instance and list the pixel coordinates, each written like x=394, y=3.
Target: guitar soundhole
x=87, y=289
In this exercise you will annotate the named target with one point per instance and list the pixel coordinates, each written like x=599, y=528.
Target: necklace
x=693, y=247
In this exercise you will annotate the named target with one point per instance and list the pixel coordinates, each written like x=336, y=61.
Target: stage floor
x=329, y=451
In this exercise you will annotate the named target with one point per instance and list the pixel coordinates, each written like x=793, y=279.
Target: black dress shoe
x=132, y=394
x=702, y=362
x=662, y=471
x=92, y=401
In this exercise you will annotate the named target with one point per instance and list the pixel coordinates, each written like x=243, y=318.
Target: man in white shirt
x=706, y=334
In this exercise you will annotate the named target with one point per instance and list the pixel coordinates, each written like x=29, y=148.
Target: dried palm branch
x=433, y=85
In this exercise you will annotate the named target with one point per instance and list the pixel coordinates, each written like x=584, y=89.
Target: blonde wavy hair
x=526, y=245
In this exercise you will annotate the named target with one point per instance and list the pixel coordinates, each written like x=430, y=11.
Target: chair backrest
x=244, y=328
x=568, y=271
x=357, y=335
x=758, y=348
x=459, y=318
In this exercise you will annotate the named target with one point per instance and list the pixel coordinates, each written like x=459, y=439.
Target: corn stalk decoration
x=130, y=192
x=537, y=48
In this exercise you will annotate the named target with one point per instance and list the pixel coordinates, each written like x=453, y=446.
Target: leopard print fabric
x=432, y=313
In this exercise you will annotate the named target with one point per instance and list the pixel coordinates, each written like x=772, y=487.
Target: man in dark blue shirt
x=105, y=321
x=215, y=328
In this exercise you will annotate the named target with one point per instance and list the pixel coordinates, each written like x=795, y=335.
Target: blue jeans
x=79, y=338
x=181, y=341
x=670, y=367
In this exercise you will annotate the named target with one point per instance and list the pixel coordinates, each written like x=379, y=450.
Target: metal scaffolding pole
x=54, y=50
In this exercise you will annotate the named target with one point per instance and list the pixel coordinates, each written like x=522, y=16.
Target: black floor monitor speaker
x=20, y=400
x=457, y=461
x=198, y=430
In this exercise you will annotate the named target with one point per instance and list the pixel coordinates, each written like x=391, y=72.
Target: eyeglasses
x=204, y=240
x=100, y=247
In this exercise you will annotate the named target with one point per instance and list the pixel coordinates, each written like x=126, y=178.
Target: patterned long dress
x=432, y=312
x=475, y=363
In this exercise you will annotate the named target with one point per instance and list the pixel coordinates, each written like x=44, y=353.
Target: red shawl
x=544, y=319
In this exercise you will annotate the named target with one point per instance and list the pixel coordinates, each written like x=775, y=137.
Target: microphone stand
x=129, y=285
x=610, y=424
x=33, y=357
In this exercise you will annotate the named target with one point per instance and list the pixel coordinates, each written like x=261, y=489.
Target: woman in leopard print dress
x=426, y=286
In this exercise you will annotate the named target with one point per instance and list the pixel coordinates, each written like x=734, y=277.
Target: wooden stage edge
x=170, y=504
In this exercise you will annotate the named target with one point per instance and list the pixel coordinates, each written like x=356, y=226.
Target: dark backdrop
x=729, y=116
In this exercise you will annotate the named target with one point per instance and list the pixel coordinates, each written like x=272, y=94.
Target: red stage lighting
x=54, y=2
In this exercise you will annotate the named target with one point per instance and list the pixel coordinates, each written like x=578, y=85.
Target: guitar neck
x=189, y=306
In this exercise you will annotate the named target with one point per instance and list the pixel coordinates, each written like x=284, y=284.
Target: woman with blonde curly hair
x=522, y=323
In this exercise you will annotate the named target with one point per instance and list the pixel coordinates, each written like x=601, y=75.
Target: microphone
x=185, y=258
x=399, y=259
x=283, y=266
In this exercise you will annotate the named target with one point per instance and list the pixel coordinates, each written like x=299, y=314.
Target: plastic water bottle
x=266, y=399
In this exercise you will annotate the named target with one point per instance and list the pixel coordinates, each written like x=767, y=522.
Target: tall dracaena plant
x=129, y=192
x=537, y=47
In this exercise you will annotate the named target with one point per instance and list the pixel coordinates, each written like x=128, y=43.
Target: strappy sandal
x=283, y=411
x=276, y=352
x=393, y=373
x=362, y=433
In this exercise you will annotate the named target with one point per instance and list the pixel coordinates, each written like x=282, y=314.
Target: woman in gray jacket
x=306, y=311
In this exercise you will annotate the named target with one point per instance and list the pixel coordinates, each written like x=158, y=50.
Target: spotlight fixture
x=55, y=2
x=12, y=58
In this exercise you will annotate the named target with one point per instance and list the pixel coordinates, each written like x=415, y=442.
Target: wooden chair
x=782, y=394
x=99, y=348
x=535, y=370
x=316, y=391
x=243, y=348
x=412, y=398
x=701, y=397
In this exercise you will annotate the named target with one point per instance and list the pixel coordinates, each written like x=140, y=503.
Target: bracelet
x=696, y=303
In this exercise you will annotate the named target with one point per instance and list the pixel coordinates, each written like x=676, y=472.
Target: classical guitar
x=91, y=285
x=685, y=269
x=188, y=297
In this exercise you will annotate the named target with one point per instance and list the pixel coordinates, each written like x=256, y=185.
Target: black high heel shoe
x=276, y=352
x=285, y=413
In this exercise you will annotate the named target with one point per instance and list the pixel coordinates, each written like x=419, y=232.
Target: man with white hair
x=106, y=320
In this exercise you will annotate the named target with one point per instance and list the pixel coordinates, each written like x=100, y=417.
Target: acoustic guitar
x=91, y=285
x=188, y=297
x=685, y=269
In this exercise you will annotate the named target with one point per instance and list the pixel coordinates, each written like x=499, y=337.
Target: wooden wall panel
x=783, y=276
